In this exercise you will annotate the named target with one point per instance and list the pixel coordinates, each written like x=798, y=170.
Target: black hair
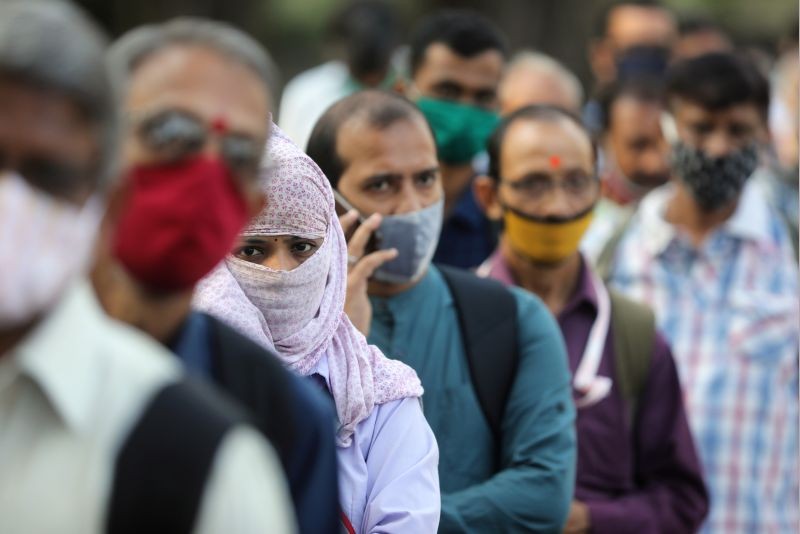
x=368, y=29
x=642, y=89
x=717, y=81
x=698, y=24
x=533, y=113
x=603, y=17
x=379, y=109
x=465, y=32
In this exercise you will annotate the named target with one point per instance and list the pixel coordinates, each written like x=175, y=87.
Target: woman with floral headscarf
x=284, y=286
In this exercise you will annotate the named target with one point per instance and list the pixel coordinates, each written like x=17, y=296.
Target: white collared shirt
x=730, y=310
x=69, y=394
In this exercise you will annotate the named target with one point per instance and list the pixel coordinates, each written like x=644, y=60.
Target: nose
x=279, y=260
x=557, y=204
x=655, y=161
x=410, y=200
x=719, y=144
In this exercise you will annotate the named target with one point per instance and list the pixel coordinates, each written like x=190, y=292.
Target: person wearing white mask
x=100, y=432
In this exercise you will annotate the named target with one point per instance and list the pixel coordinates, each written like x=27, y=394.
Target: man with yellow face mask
x=637, y=467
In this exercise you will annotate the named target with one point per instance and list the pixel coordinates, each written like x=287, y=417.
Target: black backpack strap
x=162, y=466
x=634, y=329
x=487, y=315
x=256, y=379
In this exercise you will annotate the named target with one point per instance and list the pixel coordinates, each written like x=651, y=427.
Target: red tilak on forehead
x=219, y=124
x=555, y=162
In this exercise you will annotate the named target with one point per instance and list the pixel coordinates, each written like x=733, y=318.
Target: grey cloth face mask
x=415, y=236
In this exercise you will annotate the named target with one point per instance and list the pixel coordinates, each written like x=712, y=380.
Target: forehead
x=203, y=81
x=441, y=63
x=640, y=25
x=745, y=112
x=530, y=145
x=527, y=86
x=631, y=114
x=406, y=146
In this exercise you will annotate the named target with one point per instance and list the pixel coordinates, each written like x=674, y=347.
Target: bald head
x=535, y=78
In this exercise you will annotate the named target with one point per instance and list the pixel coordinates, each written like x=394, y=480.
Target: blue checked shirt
x=730, y=311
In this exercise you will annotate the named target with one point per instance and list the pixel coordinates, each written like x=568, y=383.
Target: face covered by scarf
x=300, y=313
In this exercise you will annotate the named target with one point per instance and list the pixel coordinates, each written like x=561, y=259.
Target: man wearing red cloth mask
x=197, y=102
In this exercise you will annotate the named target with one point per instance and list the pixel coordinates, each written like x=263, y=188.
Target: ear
x=485, y=191
x=601, y=58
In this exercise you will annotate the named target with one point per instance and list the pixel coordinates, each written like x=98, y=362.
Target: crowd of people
x=448, y=289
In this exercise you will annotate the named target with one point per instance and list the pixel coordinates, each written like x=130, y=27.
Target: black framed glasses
x=174, y=134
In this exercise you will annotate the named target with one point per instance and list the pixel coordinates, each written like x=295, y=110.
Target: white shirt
x=308, y=95
x=69, y=394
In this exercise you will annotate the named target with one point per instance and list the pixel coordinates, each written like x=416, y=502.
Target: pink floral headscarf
x=300, y=313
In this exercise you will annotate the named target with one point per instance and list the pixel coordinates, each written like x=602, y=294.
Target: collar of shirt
x=61, y=358
x=192, y=344
x=497, y=267
x=585, y=293
x=750, y=221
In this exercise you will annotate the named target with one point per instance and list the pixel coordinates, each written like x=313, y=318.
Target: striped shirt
x=730, y=311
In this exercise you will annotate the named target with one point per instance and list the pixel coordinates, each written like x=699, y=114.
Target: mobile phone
x=342, y=207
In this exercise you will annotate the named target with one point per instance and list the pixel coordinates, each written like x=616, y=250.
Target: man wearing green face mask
x=457, y=60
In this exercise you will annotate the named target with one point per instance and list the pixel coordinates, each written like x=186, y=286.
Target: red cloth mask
x=179, y=222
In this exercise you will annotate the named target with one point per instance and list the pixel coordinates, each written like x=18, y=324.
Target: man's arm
x=671, y=496
x=533, y=490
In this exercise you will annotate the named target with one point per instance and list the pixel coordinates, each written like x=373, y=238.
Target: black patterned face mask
x=714, y=182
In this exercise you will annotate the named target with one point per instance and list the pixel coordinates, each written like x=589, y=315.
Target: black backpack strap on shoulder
x=487, y=315
x=634, y=329
x=162, y=466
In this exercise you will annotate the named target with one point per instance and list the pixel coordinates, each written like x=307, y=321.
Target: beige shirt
x=70, y=393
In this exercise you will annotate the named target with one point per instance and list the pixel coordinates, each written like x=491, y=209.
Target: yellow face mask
x=546, y=240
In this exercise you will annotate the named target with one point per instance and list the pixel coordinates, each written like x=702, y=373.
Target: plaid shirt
x=730, y=311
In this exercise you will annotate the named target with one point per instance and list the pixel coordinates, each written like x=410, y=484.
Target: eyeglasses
x=536, y=186
x=174, y=135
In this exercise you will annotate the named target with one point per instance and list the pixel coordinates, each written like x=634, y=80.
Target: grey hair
x=528, y=59
x=136, y=46
x=53, y=45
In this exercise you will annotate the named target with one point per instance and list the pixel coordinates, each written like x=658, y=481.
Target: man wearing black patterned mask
x=719, y=115
x=714, y=259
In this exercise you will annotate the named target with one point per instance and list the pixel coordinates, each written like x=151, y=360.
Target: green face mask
x=461, y=130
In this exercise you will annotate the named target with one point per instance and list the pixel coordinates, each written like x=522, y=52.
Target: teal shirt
x=533, y=490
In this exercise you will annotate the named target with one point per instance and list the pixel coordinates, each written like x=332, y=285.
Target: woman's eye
x=249, y=251
x=303, y=248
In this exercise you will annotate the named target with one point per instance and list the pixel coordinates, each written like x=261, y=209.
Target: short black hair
x=717, y=81
x=533, y=113
x=603, y=17
x=642, y=89
x=465, y=32
x=690, y=24
x=380, y=110
x=369, y=32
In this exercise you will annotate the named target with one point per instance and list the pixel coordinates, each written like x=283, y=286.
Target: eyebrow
x=428, y=171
